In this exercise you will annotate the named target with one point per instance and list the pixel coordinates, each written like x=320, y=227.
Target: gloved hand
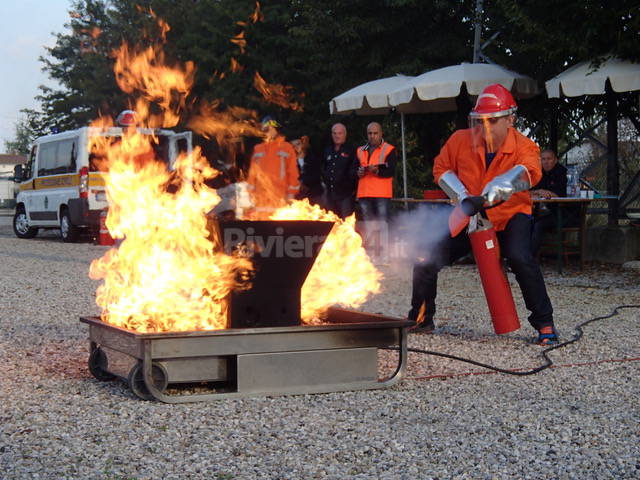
x=503, y=186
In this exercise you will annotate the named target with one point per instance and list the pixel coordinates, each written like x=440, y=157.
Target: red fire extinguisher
x=486, y=251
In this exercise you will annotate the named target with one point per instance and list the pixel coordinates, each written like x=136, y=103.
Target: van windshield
x=159, y=151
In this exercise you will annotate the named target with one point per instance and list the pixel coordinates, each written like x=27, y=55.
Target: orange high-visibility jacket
x=274, y=172
x=458, y=156
x=372, y=185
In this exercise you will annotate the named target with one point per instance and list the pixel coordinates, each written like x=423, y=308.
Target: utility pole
x=477, y=21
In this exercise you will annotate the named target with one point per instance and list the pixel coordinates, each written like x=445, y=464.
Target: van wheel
x=21, y=225
x=68, y=231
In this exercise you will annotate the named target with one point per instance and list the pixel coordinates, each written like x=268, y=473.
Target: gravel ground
x=577, y=421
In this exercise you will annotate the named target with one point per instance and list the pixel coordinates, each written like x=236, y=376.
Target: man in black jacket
x=340, y=173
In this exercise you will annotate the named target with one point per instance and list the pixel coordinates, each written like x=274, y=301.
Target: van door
x=180, y=143
x=66, y=179
x=56, y=180
x=39, y=209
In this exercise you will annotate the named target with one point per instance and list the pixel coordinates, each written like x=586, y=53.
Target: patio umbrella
x=372, y=98
x=582, y=79
x=608, y=78
x=436, y=90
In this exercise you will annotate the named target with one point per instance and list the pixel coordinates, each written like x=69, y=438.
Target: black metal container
x=282, y=253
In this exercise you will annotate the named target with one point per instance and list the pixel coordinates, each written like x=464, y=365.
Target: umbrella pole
x=613, y=169
x=404, y=161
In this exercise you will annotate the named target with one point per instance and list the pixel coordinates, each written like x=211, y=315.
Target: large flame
x=342, y=273
x=167, y=273
x=146, y=76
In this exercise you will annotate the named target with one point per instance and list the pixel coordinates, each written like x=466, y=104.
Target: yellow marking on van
x=26, y=186
x=57, y=181
x=96, y=180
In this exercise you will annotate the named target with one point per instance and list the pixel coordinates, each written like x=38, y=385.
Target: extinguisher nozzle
x=458, y=221
x=472, y=205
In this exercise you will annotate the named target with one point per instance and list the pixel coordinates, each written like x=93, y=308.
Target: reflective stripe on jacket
x=459, y=156
x=372, y=185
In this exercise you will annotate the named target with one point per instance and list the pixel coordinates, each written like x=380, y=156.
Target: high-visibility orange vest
x=372, y=185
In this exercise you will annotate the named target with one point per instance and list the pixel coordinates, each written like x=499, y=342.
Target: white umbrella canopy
x=436, y=90
x=583, y=79
x=371, y=98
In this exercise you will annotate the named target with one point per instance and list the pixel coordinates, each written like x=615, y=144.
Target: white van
x=61, y=186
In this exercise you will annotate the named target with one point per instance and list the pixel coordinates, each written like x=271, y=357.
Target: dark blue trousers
x=374, y=208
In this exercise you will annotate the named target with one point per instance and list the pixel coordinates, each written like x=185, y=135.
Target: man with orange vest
x=494, y=160
x=273, y=173
x=377, y=161
x=377, y=166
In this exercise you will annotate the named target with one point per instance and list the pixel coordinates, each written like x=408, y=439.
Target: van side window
x=57, y=157
x=66, y=157
x=46, y=158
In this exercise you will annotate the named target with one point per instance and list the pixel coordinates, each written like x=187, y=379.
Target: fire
x=146, y=76
x=166, y=274
x=276, y=94
x=240, y=41
x=235, y=66
x=342, y=273
x=257, y=16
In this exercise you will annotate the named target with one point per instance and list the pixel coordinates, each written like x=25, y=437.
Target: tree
x=320, y=48
x=27, y=129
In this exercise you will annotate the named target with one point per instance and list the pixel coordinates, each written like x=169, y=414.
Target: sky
x=26, y=27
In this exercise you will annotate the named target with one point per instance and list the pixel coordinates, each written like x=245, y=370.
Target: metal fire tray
x=340, y=355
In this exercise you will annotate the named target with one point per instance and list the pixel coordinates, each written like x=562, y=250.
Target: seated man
x=553, y=184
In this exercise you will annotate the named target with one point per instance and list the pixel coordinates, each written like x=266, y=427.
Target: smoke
x=416, y=235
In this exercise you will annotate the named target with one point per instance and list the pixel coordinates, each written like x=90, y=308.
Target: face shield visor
x=489, y=131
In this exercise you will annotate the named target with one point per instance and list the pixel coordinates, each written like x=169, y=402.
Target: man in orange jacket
x=496, y=161
x=273, y=173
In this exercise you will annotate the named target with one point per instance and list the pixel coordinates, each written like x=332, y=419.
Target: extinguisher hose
x=544, y=353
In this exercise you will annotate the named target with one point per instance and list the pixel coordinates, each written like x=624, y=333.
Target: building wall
x=8, y=189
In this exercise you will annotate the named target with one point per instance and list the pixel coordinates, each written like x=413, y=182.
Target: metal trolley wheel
x=138, y=385
x=98, y=364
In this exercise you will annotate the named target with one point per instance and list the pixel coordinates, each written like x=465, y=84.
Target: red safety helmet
x=494, y=101
x=126, y=118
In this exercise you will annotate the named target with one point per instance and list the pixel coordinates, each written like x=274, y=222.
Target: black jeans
x=515, y=246
x=342, y=205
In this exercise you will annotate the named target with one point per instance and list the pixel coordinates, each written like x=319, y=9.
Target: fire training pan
x=339, y=355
